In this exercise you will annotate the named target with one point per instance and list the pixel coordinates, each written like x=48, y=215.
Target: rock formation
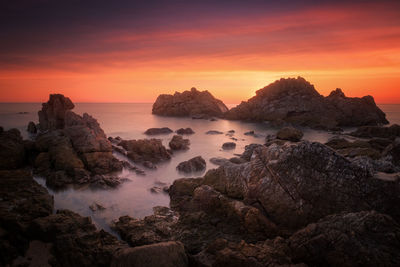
x=297, y=102
x=142, y=150
x=179, y=143
x=290, y=133
x=195, y=164
x=52, y=115
x=189, y=103
x=156, y=131
x=183, y=131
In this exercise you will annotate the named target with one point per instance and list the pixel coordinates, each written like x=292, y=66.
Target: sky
x=132, y=51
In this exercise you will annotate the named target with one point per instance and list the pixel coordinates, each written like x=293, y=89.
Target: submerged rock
x=228, y=145
x=155, y=131
x=296, y=101
x=195, y=164
x=188, y=103
x=178, y=143
x=183, y=131
x=212, y=132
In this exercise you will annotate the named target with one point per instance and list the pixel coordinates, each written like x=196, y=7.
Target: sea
x=130, y=121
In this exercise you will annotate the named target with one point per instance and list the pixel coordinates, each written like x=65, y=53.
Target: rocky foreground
x=289, y=202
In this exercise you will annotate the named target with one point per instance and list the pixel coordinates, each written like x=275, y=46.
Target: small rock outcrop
x=52, y=115
x=290, y=134
x=297, y=102
x=142, y=150
x=179, y=143
x=195, y=164
x=183, y=131
x=32, y=129
x=228, y=145
x=188, y=103
x=156, y=131
x=214, y=132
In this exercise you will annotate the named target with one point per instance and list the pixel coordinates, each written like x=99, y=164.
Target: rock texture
x=179, y=143
x=290, y=134
x=142, y=150
x=296, y=101
x=195, y=164
x=156, y=131
x=52, y=115
x=391, y=132
x=228, y=145
x=189, y=103
x=12, y=149
x=183, y=131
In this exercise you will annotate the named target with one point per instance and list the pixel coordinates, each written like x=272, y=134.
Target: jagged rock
x=248, y=151
x=290, y=134
x=22, y=200
x=188, y=103
x=365, y=238
x=168, y=254
x=391, y=132
x=296, y=101
x=52, y=115
x=101, y=162
x=12, y=150
x=31, y=128
x=178, y=143
x=195, y=164
x=96, y=207
x=75, y=239
x=228, y=145
x=214, y=132
x=393, y=152
x=155, y=131
x=145, y=150
x=183, y=131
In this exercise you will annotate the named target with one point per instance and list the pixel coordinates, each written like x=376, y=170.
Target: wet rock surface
x=179, y=143
x=183, y=131
x=297, y=102
x=142, y=150
x=228, y=145
x=156, y=131
x=195, y=164
x=188, y=103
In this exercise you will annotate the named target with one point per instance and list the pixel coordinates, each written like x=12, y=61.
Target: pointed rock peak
x=285, y=86
x=193, y=90
x=52, y=115
x=337, y=93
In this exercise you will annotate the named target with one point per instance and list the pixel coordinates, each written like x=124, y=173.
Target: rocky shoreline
x=287, y=202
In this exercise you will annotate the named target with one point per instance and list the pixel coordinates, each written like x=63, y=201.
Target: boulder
x=168, y=254
x=212, y=132
x=32, y=129
x=52, y=115
x=145, y=150
x=155, y=131
x=290, y=134
x=12, y=150
x=228, y=145
x=178, y=143
x=101, y=162
x=365, y=238
x=195, y=164
x=391, y=132
x=183, y=131
x=295, y=101
x=188, y=103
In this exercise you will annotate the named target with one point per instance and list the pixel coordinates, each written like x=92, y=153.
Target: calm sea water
x=129, y=121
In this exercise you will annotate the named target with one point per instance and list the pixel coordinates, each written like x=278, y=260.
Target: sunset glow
x=133, y=53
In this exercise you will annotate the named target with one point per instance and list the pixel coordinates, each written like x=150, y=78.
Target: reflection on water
x=129, y=121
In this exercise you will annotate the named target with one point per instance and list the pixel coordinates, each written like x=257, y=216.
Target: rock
x=195, y=164
x=297, y=102
x=237, y=160
x=354, y=149
x=393, y=152
x=336, y=239
x=249, y=133
x=96, y=207
x=105, y=181
x=75, y=239
x=183, y=131
x=31, y=128
x=212, y=132
x=145, y=150
x=155, y=131
x=188, y=103
x=200, y=117
x=213, y=119
x=149, y=165
x=101, y=162
x=12, y=150
x=248, y=151
x=290, y=134
x=218, y=161
x=391, y=132
x=168, y=254
x=52, y=115
x=228, y=145
x=178, y=143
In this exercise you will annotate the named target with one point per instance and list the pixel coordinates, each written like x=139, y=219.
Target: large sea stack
x=189, y=103
x=295, y=101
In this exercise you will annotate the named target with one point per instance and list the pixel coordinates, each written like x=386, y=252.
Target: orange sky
x=355, y=47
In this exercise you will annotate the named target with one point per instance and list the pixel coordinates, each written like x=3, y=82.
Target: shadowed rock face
x=52, y=115
x=296, y=101
x=12, y=151
x=188, y=103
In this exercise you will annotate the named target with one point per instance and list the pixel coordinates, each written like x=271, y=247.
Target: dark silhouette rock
x=391, y=132
x=213, y=132
x=156, y=131
x=178, y=143
x=188, y=103
x=12, y=149
x=195, y=164
x=183, y=131
x=290, y=134
x=296, y=101
x=32, y=129
x=228, y=145
x=52, y=115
